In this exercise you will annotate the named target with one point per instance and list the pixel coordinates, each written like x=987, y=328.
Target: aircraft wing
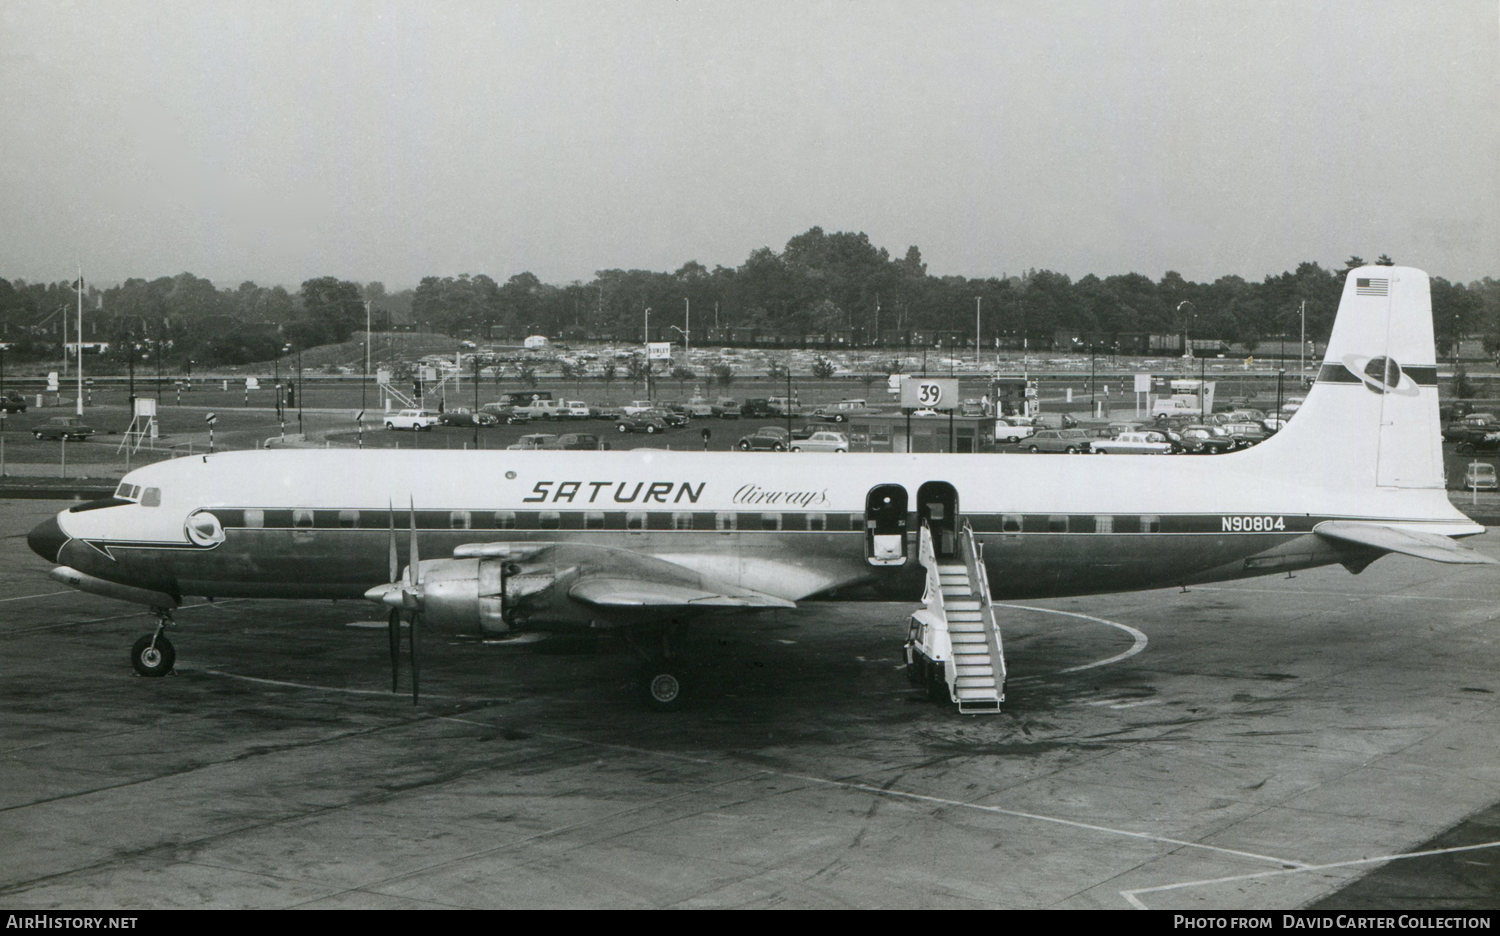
x=611, y=591
x=608, y=577
x=1422, y=545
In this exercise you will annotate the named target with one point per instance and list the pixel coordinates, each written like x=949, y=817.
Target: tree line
x=835, y=289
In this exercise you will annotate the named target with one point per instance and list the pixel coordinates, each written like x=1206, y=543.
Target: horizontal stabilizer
x=613, y=592
x=1422, y=545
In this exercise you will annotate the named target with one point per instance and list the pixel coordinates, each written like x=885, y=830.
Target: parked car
x=1477, y=442
x=700, y=408
x=413, y=419
x=1069, y=441
x=462, y=416
x=673, y=420
x=534, y=442
x=1053, y=421
x=542, y=409
x=1206, y=440
x=575, y=409
x=640, y=422
x=822, y=442
x=1480, y=476
x=765, y=439
x=1134, y=443
x=973, y=408
x=843, y=410
x=756, y=408
x=608, y=410
x=1013, y=429
x=63, y=427
x=731, y=408
x=12, y=403
x=638, y=406
x=785, y=406
x=1246, y=434
x=578, y=441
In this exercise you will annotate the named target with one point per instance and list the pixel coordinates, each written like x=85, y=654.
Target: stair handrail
x=979, y=582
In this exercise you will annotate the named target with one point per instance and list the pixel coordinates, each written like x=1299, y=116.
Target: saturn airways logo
x=1380, y=374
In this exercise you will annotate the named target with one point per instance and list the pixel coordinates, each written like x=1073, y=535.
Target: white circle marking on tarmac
x=1137, y=636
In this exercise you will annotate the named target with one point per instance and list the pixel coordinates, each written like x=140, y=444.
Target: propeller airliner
x=500, y=542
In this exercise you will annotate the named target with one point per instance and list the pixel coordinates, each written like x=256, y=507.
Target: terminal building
x=898, y=432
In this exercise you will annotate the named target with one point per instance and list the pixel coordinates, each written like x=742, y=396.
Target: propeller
x=393, y=620
x=403, y=596
x=414, y=594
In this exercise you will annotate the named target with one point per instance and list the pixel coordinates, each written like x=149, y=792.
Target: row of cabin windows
x=302, y=519
x=724, y=522
x=1078, y=523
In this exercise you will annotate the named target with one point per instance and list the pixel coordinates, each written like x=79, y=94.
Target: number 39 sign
x=937, y=393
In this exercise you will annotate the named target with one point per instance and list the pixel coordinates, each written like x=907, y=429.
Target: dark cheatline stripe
x=1338, y=373
x=1421, y=376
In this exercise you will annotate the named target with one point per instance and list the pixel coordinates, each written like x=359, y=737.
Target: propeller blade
x=416, y=656
x=395, y=559
x=414, y=567
x=394, y=628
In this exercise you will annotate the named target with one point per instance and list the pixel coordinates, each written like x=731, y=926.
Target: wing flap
x=609, y=591
x=1408, y=543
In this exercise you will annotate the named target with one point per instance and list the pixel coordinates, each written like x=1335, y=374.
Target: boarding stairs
x=958, y=612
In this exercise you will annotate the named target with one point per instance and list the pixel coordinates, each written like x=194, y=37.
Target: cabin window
x=1151, y=524
x=635, y=521
x=593, y=520
x=817, y=522
x=1104, y=523
x=549, y=520
x=682, y=520
x=302, y=519
x=255, y=518
x=459, y=519
x=1010, y=523
x=348, y=519
x=770, y=521
x=724, y=522
x=151, y=497
x=505, y=519
x=1057, y=523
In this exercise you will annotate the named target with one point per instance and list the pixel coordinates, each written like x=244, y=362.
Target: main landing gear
x=662, y=676
x=153, y=655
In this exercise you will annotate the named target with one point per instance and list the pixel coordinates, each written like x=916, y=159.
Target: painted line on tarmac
x=68, y=591
x=286, y=684
x=902, y=794
x=1134, y=900
x=1338, y=594
x=1137, y=636
x=1037, y=817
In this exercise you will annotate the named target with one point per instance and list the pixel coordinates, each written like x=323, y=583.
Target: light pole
x=687, y=328
x=977, y=301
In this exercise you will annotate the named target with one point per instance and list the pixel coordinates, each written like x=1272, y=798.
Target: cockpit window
x=128, y=491
x=151, y=497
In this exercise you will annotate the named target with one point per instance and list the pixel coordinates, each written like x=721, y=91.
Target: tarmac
x=1274, y=743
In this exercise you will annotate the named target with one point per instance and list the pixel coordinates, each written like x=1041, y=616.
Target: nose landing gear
x=153, y=655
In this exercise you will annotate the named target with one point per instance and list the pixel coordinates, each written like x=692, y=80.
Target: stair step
x=962, y=605
x=964, y=616
x=963, y=671
x=976, y=682
x=950, y=568
x=977, y=639
x=976, y=692
x=971, y=655
x=965, y=627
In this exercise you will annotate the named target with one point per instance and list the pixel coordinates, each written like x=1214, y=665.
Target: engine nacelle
x=493, y=592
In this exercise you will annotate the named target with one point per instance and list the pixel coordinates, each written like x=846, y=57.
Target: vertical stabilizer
x=1372, y=416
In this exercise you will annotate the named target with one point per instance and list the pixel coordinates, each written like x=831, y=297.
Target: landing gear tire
x=153, y=655
x=662, y=685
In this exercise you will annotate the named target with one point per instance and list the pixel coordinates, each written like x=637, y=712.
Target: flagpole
x=80, y=339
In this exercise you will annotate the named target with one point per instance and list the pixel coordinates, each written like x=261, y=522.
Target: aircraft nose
x=47, y=539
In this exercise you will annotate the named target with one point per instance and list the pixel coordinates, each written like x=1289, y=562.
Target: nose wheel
x=662, y=676
x=153, y=655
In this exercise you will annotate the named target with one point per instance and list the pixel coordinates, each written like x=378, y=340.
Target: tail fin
x=1371, y=419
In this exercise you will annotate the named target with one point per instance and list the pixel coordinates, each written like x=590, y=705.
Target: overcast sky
x=279, y=141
